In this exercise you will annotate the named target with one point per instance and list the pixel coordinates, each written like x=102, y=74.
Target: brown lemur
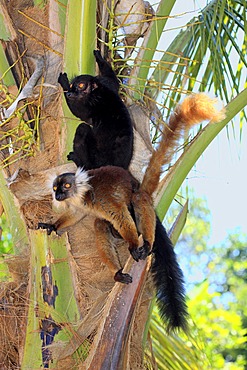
x=112, y=193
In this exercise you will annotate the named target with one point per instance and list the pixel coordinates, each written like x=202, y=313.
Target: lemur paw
x=70, y=156
x=63, y=81
x=122, y=278
x=144, y=250
x=98, y=55
x=140, y=253
x=48, y=227
x=135, y=253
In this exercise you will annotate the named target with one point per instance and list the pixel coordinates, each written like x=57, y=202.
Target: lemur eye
x=54, y=188
x=71, y=85
x=67, y=185
x=81, y=85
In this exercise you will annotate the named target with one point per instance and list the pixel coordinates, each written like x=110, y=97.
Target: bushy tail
x=169, y=282
x=167, y=275
x=193, y=110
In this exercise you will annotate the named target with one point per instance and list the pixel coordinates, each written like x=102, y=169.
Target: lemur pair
x=103, y=186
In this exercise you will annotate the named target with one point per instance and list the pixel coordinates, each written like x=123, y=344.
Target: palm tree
x=59, y=305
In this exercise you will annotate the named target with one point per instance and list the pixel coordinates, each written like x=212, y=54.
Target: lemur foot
x=144, y=250
x=140, y=253
x=122, y=278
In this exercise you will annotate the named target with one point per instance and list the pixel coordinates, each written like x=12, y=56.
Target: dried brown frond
x=13, y=304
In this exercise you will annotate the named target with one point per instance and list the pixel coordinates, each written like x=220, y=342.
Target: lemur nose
x=59, y=197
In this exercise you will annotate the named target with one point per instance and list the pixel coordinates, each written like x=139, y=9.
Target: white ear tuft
x=82, y=181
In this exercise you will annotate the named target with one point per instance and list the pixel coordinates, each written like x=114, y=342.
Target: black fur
x=107, y=136
x=169, y=281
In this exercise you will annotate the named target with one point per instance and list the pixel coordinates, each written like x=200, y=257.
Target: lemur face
x=81, y=87
x=64, y=186
x=68, y=185
x=81, y=94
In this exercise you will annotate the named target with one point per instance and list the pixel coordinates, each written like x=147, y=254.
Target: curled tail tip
x=200, y=107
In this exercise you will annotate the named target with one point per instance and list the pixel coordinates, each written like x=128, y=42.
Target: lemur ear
x=94, y=86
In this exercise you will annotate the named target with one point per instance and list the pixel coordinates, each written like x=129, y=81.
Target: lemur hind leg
x=108, y=250
x=121, y=219
x=145, y=218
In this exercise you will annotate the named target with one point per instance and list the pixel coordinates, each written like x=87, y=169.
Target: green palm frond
x=211, y=55
x=175, y=352
x=80, y=37
x=191, y=154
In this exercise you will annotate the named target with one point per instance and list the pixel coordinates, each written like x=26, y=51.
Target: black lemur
x=106, y=136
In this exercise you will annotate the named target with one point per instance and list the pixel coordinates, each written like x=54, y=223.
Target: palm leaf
x=184, y=164
x=173, y=352
x=215, y=32
x=149, y=46
x=79, y=43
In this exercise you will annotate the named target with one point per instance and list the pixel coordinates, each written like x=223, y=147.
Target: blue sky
x=220, y=175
